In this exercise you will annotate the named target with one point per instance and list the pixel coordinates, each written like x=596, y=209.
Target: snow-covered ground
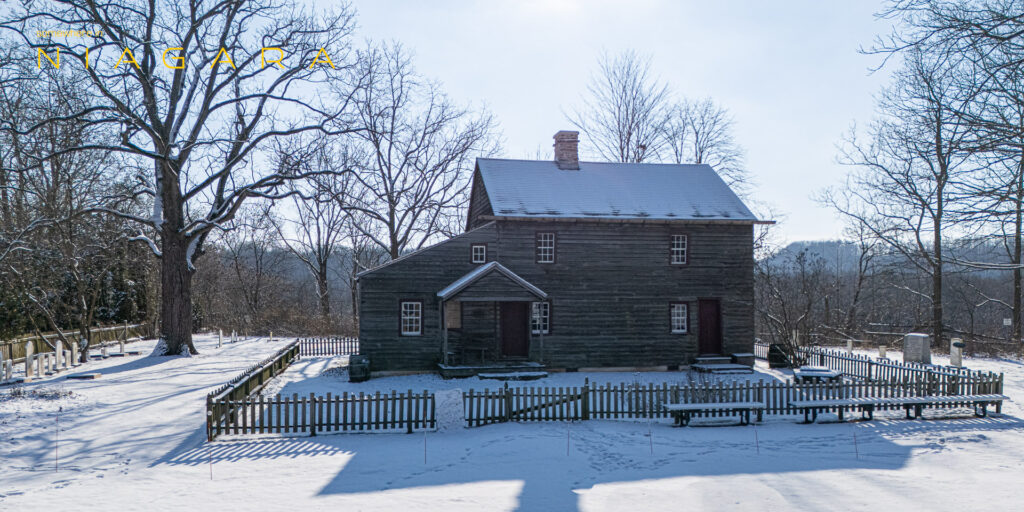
x=134, y=440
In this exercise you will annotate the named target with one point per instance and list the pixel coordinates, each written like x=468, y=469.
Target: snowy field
x=134, y=440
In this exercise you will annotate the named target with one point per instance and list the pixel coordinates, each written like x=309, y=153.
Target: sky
x=789, y=72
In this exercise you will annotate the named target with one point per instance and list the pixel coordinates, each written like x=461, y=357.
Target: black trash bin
x=358, y=368
x=777, y=357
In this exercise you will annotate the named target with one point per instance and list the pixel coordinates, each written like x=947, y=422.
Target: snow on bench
x=916, y=403
x=682, y=412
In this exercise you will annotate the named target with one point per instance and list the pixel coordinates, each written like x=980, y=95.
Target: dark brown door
x=515, y=341
x=710, y=334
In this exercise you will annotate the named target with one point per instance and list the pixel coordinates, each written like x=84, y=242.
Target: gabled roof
x=463, y=282
x=599, y=190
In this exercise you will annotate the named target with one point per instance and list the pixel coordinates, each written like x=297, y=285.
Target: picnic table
x=682, y=412
x=912, y=404
x=808, y=374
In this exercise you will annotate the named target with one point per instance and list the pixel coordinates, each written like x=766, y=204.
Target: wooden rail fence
x=865, y=368
x=14, y=350
x=328, y=346
x=378, y=412
x=235, y=409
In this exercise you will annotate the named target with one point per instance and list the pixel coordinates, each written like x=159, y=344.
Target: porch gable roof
x=465, y=281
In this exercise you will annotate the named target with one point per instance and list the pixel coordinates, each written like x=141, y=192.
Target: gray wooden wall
x=610, y=291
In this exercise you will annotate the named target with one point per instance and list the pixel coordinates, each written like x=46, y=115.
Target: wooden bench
x=682, y=412
x=912, y=404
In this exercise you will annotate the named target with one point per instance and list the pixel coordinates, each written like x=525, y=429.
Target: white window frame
x=473, y=253
x=411, y=318
x=546, y=247
x=540, y=317
x=679, y=317
x=679, y=250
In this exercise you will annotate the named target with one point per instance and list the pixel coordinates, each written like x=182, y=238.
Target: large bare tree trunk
x=176, y=295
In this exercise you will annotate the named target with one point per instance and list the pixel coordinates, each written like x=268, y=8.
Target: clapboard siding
x=418, y=276
x=479, y=203
x=609, y=289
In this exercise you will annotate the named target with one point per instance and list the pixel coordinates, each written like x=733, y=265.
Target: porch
x=486, y=318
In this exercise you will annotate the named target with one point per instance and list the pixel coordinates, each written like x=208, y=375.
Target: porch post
x=444, y=326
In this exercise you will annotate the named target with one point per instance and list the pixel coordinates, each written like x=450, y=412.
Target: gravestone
x=450, y=409
x=57, y=352
x=8, y=369
x=849, y=347
x=30, y=350
x=121, y=343
x=956, y=352
x=917, y=349
x=74, y=354
x=881, y=352
x=103, y=350
x=220, y=337
x=40, y=364
x=67, y=359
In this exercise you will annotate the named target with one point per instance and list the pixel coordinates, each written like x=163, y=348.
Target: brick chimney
x=567, y=154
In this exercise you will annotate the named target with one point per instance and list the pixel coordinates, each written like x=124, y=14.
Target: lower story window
x=679, y=317
x=412, y=318
x=540, y=318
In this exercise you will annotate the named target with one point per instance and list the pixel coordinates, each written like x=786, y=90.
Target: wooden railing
x=333, y=346
x=637, y=401
x=219, y=412
x=401, y=412
x=866, y=368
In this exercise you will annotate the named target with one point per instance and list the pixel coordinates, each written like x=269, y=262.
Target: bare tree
x=314, y=228
x=625, y=111
x=701, y=132
x=907, y=173
x=420, y=149
x=192, y=94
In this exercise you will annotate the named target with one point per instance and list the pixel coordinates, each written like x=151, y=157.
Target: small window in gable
x=478, y=253
x=678, y=250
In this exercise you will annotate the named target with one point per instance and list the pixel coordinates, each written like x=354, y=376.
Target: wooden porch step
x=713, y=360
x=722, y=369
x=463, y=371
x=513, y=376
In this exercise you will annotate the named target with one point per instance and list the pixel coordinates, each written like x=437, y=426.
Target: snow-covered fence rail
x=312, y=415
x=14, y=350
x=334, y=346
x=245, y=385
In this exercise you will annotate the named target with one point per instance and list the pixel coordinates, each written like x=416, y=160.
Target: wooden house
x=571, y=264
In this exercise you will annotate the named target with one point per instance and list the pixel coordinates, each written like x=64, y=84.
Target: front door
x=710, y=328
x=515, y=340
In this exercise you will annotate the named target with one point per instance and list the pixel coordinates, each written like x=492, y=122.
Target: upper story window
x=545, y=247
x=678, y=250
x=540, y=318
x=478, y=253
x=679, y=317
x=412, y=318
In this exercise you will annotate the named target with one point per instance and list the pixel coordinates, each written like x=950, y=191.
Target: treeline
x=934, y=199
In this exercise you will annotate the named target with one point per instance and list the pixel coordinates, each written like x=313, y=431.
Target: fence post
x=585, y=409
x=312, y=415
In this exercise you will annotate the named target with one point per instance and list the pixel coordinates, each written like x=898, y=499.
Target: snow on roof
x=538, y=188
x=468, y=279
